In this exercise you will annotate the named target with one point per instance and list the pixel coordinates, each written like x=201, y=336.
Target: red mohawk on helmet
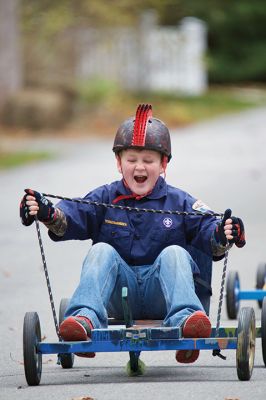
x=143, y=113
x=143, y=132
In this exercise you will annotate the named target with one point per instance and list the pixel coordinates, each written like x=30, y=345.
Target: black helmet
x=143, y=131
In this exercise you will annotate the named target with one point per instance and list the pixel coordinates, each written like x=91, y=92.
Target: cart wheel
x=246, y=340
x=66, y=359
x=232, y=290
x=261, y=279
x=135, y=365
x=31, y=338
x=263, y=330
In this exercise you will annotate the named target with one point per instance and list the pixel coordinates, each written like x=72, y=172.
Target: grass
x=183, y=110
x=103, y=107
x=18, y=158
x=108, y=110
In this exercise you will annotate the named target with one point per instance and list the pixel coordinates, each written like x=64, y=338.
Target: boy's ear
x=118, y=163
x=163, y=165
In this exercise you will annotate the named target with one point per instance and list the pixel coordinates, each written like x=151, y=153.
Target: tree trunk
x=10, y=49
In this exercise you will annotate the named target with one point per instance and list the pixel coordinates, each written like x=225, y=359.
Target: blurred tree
x=236, y=29
x=10, y=60
x=237, y=37
x=236, y=34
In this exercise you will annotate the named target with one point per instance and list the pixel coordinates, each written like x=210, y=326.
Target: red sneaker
x=197, y=325
x=76, y=329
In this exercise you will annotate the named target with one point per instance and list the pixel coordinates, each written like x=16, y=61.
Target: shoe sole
x=197, y=325
x=86, y=355
x=72, y=331
x=186, y=356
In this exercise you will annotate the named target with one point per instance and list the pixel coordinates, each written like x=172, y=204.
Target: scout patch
x=200, y=206
x=108, y=221
x=167, y=222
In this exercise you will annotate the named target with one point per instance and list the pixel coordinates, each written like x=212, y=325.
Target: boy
x=144, y=251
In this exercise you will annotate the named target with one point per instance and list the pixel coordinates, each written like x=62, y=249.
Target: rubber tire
x=32, y=359
x=261, y=279
x=246, y=341
x=263, y=330
x=232, y=303
x=66, y=359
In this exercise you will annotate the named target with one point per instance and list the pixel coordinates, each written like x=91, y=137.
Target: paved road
x=222, y=162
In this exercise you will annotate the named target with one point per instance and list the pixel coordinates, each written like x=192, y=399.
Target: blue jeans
x=164, y=290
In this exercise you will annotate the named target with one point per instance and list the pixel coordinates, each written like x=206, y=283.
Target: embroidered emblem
x=167, y=222
x=200, y=206
x=108, y=221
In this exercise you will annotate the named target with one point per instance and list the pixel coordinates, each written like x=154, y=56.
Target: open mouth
x=140, y=179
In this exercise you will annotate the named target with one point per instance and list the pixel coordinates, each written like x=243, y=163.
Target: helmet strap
x=164, y=165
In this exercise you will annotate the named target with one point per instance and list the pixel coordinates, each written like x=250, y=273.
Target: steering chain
x=137, y=209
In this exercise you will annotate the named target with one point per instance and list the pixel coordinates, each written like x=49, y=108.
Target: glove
x=238, y=231
x=46, y=212
x=25, y=216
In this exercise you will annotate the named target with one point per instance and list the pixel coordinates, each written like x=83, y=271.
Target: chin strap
x=164, y=165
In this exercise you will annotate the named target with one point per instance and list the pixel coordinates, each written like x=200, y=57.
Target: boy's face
x=140, y=169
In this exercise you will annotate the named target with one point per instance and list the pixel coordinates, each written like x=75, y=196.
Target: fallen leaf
x=231, y=398
x=48, y=361
x=83, y=398
x=16, y=361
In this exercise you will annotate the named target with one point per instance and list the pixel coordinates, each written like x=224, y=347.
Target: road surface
x=222, y=162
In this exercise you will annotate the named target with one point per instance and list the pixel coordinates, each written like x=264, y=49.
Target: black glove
x=46, y=212
x=25, y=217
x=238, y=231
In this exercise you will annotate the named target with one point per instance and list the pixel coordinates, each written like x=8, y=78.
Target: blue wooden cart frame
x=138, y=336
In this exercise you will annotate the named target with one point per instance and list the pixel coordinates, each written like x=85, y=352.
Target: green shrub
x=95, y=91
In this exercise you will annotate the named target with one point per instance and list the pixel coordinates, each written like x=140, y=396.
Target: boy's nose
x=140, y=166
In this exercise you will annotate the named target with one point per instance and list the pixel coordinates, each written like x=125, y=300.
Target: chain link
x=127, y=208
x=221, y=292
x=47, y=277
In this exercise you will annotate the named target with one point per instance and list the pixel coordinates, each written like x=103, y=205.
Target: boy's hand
x=231, y=229
x=34, y=203
x=24, y=212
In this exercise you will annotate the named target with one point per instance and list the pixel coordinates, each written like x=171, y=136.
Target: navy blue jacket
x=137, y=236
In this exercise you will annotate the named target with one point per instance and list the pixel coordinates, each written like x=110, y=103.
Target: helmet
x=143, y=132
